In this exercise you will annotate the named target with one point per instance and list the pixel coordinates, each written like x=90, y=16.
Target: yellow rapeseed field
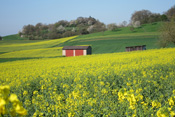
x=47, y=42
x=120, y=84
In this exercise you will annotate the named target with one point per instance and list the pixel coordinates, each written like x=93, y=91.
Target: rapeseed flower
x=13, y=98
x=163, y=112
x=98, y=85
x=156, y=104
x=20, y=110
x=2, y=106
x=171, y=101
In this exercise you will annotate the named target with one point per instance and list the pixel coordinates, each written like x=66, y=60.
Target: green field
x=102, y=42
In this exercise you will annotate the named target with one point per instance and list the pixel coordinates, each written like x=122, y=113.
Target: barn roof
x=75, y=47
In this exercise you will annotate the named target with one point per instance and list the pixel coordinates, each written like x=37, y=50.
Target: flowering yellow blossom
x=171, y=101
x=104, y=91
x=20, y=110
x=102, y=83
x=173, y=92
x=13, y=98
x=163, y=112
x=172, y=113
x=35, y=92
x=2, y=102
x=5, y=90
x=117, y=84
x=2, y=106
x=156, y=104
x=25, y=93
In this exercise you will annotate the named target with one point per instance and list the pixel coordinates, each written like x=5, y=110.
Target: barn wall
x=144, y=47
x=69, y=53
x=73, y=52
x=63, y=52
x=127, y=49
x=89, y=51
x=135, y=48
x=84, y=52
x=79, y=52
x=76, y=51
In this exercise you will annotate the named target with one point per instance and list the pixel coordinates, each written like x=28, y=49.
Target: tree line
x=84, y=25
x=63, y=28
x=144, y=17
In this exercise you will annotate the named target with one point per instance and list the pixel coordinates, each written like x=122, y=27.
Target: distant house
x=135, y=48
x=76, y=50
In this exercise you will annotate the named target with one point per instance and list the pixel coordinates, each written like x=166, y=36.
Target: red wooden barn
x=76, y=50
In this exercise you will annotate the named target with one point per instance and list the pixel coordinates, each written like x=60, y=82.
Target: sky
x=14, y=14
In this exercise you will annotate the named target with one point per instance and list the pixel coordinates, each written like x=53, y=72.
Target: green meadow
x=13, y=47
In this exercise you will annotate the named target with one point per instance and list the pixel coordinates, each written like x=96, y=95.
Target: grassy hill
x=14, y=37
x=14, y=47
x=11, y=50
x=116, y=41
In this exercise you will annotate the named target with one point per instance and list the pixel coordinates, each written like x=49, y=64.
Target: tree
x=136, y=24
x=90, y=29
x=170, y=13
x=61, y=29
x=112, y=26
x=91, y=21
x=0, y=38
x=99, y=27
x=124, y=23
x=84, y=31
x=164, y=17
x=62, y=22
x=73, y=29
x=167, y=34
x=141, y=16
x=155, y=17
x=28, y=30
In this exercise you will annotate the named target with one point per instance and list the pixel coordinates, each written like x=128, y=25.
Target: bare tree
x=170, y=13
x=167, y=34
x=124, y=23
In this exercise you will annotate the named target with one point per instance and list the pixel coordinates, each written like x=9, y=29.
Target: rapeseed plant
x=118, y=84
x=10, y=105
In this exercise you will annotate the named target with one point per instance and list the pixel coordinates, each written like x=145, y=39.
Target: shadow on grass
x=3, y=52
x=28, y=58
